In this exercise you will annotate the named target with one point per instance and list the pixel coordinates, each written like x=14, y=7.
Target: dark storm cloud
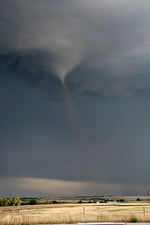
x=37, y=142
x=102, y=46
x=97, y=48
x=36, y=139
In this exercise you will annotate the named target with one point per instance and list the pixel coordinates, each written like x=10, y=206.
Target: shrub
x=79, y=202
x=121, y=200
x=133, y=219
x=10, y=201
x=55, y=202
x=33, y=202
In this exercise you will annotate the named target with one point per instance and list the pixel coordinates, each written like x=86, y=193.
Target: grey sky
x=93, y=133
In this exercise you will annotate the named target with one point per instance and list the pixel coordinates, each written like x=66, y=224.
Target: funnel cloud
x=101, y=45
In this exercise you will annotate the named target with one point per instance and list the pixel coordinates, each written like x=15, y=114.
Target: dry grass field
x=73, y=213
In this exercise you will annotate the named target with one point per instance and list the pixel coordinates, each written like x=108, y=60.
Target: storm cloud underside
x=104, y=46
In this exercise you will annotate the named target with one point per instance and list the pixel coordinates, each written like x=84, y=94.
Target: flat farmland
x=74, y=213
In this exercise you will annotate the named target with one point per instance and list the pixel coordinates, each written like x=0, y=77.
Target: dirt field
x=73, y=213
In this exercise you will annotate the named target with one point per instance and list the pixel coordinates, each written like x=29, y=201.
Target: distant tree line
x=100, y=201
x=10, y=201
